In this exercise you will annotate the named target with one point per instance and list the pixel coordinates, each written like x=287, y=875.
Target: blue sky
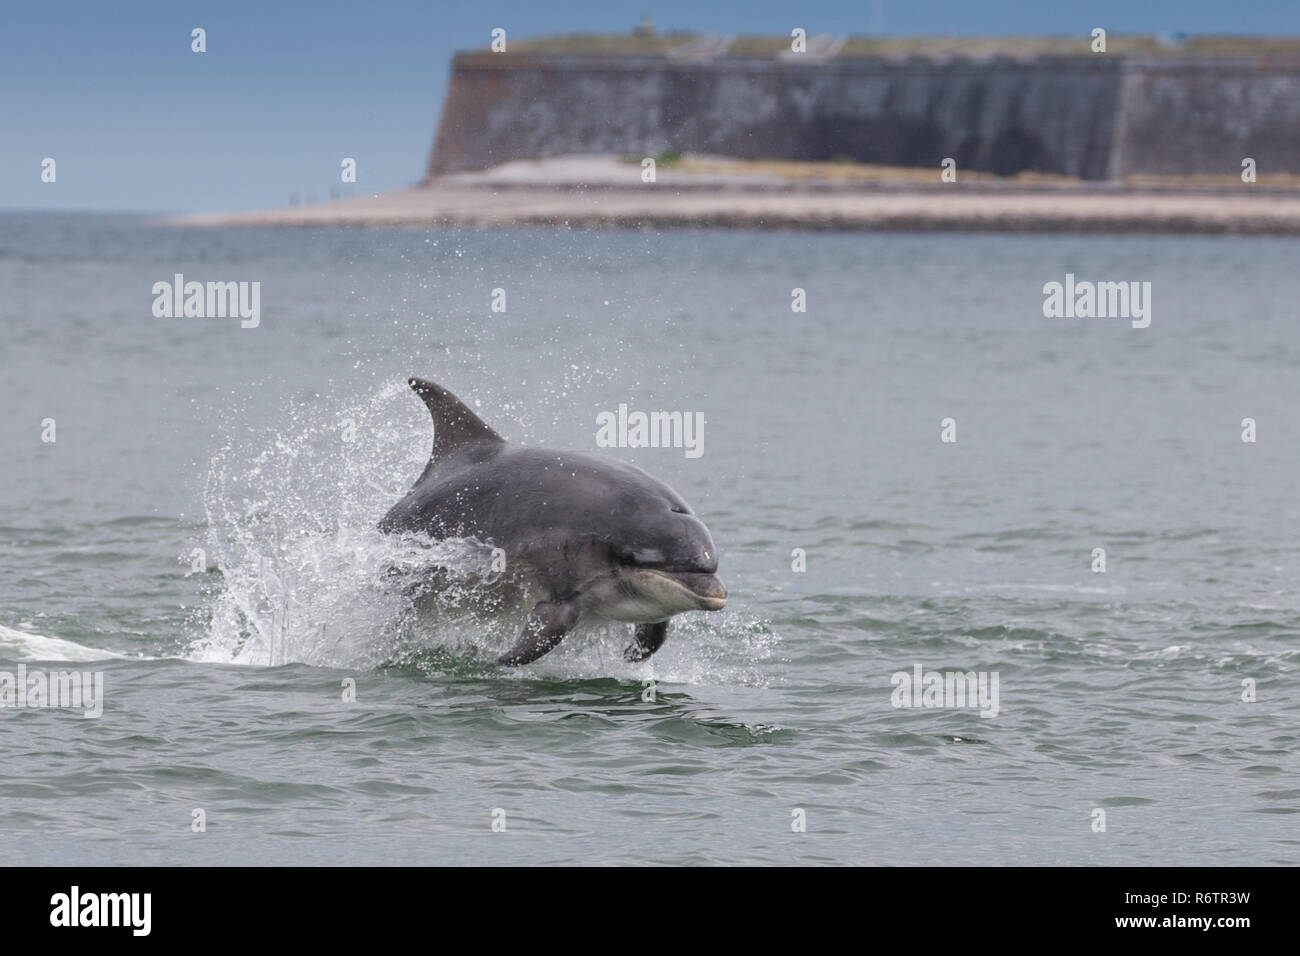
x=136, y=121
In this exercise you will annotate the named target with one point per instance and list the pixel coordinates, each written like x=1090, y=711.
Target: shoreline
x=604, y=192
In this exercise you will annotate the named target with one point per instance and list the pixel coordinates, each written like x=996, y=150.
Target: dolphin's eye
x=641, y=557
x=678, y=510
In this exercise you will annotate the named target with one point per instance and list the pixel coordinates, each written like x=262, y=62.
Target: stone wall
x=1205, y=116
x=1093, y=117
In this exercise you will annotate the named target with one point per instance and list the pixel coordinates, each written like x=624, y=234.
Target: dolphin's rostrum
x=586, y=536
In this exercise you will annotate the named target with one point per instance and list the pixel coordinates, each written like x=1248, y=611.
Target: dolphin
x=585, y=536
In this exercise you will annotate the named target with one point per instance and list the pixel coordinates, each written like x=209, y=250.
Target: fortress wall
x=1089, y=117
x=1206, y=116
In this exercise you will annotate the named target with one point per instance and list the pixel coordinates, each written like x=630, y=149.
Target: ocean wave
x=29, y=646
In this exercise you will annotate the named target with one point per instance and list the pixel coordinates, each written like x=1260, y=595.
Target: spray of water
x=304, y=576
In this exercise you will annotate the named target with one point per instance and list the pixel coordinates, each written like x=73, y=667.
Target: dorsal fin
x=454, y=425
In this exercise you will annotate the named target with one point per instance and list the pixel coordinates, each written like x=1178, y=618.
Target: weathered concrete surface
x=1205, y=116
x=1092, y=117
x=1002, y=116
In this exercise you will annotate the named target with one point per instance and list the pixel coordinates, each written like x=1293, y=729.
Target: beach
x=608, y=192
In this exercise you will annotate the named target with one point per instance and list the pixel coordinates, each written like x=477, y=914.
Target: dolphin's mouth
x=705, y=588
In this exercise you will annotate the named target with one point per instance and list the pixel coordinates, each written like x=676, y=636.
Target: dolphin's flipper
x=646, y=639
x=546, y=626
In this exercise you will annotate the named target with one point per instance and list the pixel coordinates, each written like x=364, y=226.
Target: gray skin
x=587, y=537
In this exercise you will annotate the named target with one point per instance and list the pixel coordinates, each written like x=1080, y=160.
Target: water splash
x=304, y=576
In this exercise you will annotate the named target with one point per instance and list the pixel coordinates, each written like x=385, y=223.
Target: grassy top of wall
x=688, y=44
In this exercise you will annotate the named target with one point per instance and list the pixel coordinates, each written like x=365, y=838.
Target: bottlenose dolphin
x=585, y=536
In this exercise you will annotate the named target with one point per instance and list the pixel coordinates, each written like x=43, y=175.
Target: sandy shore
x=606, y=192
